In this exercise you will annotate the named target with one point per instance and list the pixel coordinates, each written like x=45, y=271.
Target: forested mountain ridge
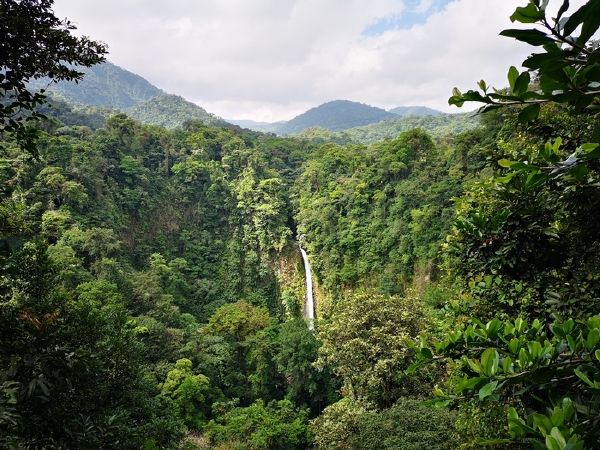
x=335, y=115
x=104, y=85
x=331, y=122
x=109, y=87
x=171, y=111
x=415, y=111
x=440, y=127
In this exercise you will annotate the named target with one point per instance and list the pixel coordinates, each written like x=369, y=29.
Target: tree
x=567, y=72
x=297, y=349
x=276, y=426
x=34, y=44
x=190, y=392
x=545, y=371
x=365, y=343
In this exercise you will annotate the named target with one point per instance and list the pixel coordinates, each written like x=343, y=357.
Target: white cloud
x=271, y=59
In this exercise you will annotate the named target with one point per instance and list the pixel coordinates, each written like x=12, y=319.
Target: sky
x=270, y=60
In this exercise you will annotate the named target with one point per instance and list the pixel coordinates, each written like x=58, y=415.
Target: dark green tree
x=34, y=44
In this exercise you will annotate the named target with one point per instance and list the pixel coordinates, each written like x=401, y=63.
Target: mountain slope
x=437, y=126
x=335, y=115
x=170, y=111
x=104, y=85
x=415, y=111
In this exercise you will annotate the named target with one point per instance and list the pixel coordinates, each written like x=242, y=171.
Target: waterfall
x=309, y=304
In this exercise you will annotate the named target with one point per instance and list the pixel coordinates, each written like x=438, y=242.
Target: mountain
x=171, y=111
x=437, y=126
x=415, y=111
x=109, y=86
x=104, y=85
x=335, y=115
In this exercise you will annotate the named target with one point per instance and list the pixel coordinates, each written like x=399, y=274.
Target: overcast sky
x=272, y=59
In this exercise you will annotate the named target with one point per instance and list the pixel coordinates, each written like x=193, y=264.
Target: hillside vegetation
x=170, y=111
x=104, y=85
x=415, y=111
x=335, y=115
x=440, y=127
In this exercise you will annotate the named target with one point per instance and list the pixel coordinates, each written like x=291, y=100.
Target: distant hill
x=415, y=111
x=110, y=87
x=265, y=127
x=170, y=111
x=335, y=115
x=104, y=85
x=438, y=126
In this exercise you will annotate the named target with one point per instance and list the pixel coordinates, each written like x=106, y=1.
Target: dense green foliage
x=406, y=425
x=171, y=111
x=34, y=43
x=117, y=245
x=151, y=286
x=375, y=214
x=439, y=127
x=525, y=247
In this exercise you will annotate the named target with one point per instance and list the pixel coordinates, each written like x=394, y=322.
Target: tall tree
x=34, y=43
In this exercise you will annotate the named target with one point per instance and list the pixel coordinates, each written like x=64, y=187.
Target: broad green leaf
x=593, y=338
x=568, y=326
x=582, y=376
x=556, y=434
x=513, y=74
x=505, y=163
x=558, y=330
x=542, y=423
x=527, y=14
x=514, y=345
x=523, y=358
x=572, y=344
x=467, y=384
x=529, y=113
x=588, y=16
x=489, y=361
x=426, y=353
x=548, y=61
x=520, y=325
x=558, y=416
x=532, y=37
x=535, y=349
x=487, y=390
x=474, y=365
x=552, y=444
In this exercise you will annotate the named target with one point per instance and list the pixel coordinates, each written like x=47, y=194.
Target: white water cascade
x=309, y=304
